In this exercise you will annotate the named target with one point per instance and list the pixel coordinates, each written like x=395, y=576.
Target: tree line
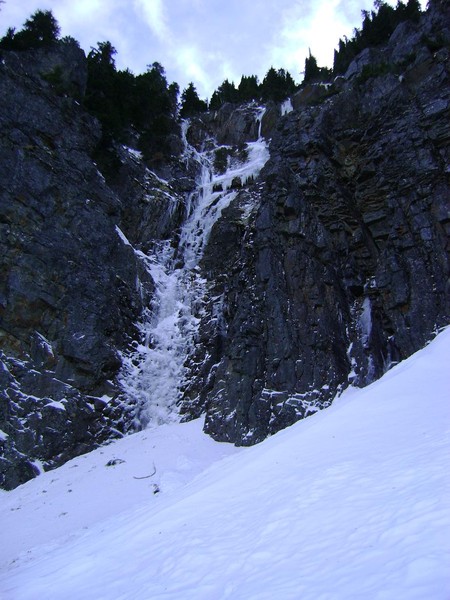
x=148, y=103
x=120, y=99
x=277, y=85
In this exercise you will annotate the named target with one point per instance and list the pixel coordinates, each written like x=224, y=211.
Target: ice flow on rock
x=153, y=374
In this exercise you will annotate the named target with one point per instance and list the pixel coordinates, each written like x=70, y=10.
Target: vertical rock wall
x=343, y=268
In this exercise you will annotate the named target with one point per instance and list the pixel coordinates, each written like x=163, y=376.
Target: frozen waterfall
x=153, y=374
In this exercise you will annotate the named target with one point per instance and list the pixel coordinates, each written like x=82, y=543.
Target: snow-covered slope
x=351, y=503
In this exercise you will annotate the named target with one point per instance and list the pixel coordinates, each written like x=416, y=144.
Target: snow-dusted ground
x=351, y=504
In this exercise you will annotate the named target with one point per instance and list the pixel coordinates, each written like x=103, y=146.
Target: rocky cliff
x=342, y=271
x=323, y=271
x=72, y=287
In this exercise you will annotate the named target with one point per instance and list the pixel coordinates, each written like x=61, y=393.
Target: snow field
x=352, y=503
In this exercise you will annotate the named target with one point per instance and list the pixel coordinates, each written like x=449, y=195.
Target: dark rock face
x=61, y=68
x=232, y=125
x=343, y=267
x=72, y=287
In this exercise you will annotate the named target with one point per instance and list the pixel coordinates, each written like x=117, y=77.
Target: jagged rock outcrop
x=342, y=270
x=233, y=125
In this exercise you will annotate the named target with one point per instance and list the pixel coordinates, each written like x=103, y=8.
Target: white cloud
x=155, y=17
x=314, y=26
x=188, y=62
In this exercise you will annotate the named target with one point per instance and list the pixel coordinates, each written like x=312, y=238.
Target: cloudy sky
x=204, y=41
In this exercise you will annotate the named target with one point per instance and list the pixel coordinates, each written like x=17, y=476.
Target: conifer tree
x=312, y=70
x=248, y=88
x=7, y=42
x=40, y=30
x=277, y=85
x=191, y=103
x=313, y=73
x=226, y=92
x=104, y=91
x=103, y=55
